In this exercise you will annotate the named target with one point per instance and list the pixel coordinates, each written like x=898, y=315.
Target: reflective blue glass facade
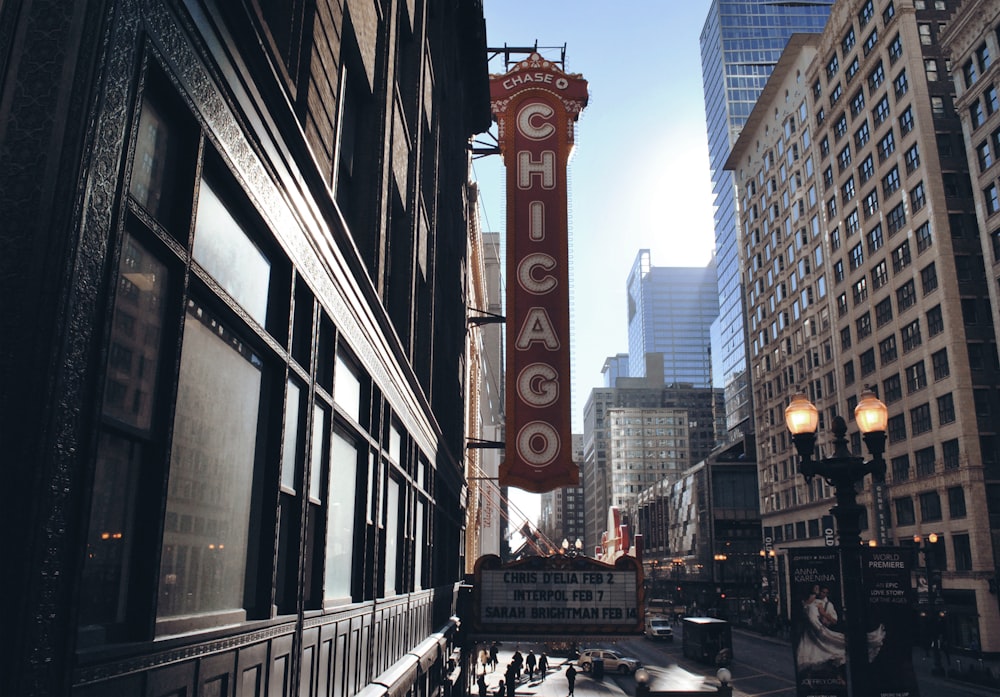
x=740, y=44
x=670, y=311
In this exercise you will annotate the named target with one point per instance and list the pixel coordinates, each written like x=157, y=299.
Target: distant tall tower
x=740, y=44
x=670, y=311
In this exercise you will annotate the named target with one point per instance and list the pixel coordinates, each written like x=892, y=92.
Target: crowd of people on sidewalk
x=521, y=668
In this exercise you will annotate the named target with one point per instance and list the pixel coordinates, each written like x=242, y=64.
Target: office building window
x=930, y=506
x=852, y=222
x=890, y=183
x=866, y=169
x=969, y=73
x=832, y=66
x=847, y=190
x=946, y=409
x=896, y=218
x=901, y=257
x=845, y=338
x=849, y=373
x=870, y=203
x=906, y=121
x=857, y=256
x=924, y=460
x=887, y=350
x=911, y=336
x=901, y=468
x=956, y=502
x=881, y=111
x=916, y=377
x=886, y=146
x=918, y=197
x=867, y=362
x=844, y=158
x=939, y=361
x=895, y=51
x=950, y=454
x=892, y=389
x=904, y=511
x=924, y=239
x=858, y=103
x=906, y=296
x=963, y=552
x=991, y=197
x=871, y=41
x=866, y=13
x=860, y=291
x=896, y=427
x=928, y=278
x=911, y=158
x=930, y=68
x=976, y=115
x=935, y=321
x=900, y=84
x=835, y=94
x=862, y=135
x=984, y=156
x=847, y=43
x=883, y=311
x=863, y=325
x=852, y=69
x=880, y=275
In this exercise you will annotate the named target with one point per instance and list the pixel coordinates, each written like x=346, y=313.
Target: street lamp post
x=928, y=548
x=844, y=471
x=677, y=562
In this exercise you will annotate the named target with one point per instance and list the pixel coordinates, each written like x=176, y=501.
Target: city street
x=762, y=666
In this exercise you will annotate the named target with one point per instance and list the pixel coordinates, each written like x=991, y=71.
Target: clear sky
x=639, y=177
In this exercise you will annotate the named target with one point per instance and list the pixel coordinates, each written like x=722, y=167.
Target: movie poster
x=885, y=574
x=818, y=645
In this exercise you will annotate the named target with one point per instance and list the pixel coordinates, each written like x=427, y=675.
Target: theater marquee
x=535, y=105
x=557, y=596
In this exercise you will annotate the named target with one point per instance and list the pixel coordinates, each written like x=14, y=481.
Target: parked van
x=708, y=639
x=658, y=627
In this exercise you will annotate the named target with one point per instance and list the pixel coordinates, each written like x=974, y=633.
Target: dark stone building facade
x=233, y=281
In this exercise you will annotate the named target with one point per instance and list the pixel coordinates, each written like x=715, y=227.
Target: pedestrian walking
x=484, y=659
x=482, y=685
x=543, y=665
x=571, y=678
x=530, y=663
x=517, y=660
x=494, y=650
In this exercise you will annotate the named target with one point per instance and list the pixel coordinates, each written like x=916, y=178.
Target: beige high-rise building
x=973, y=44
x=858, y=248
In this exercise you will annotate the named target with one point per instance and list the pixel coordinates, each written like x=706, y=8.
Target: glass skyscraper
x=740, y=44
x=670, y=312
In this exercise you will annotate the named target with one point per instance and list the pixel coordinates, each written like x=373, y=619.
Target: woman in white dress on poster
x=821, y=647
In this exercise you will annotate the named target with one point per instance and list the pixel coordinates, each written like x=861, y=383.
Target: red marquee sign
x=535, y=105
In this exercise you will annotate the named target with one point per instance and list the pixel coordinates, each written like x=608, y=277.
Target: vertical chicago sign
x=536, y=104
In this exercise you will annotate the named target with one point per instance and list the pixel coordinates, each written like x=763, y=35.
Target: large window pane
x=347, y=389
x=211, y=471
x=134, y=349
x=290, y=445
x=157, y=158
x=129, y=396
x=340, y=519
x=224, y=250
x=391, y=537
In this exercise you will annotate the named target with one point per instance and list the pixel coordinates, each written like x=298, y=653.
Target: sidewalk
x=554, y=682
x=962, y=669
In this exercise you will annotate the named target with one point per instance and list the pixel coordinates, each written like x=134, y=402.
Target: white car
x=612, y=661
